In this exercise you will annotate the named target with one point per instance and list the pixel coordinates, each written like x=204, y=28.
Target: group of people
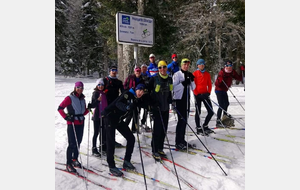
x=152, y=88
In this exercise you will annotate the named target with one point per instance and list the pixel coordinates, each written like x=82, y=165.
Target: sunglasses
x=228, y=65
x=79, y=87
x=174, y=57
x=152, y=57
x=162, y=67
x=186, y=62
x=114, y=70
x=100, y=85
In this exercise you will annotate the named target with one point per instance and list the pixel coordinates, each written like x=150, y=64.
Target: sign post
x=137, y=30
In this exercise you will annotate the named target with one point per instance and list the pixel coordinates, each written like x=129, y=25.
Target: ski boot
x=75, y=163
x=128, y=166
x=116, y=172
x=156, y=157
x=70, y=168
x=162, y=154
x=95, y=152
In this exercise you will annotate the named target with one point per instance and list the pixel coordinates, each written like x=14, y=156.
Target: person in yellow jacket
x=202, y=93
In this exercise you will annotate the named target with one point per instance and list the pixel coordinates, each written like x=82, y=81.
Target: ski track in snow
x=235, y=169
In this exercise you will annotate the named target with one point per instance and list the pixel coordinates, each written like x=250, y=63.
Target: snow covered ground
x=233, y=165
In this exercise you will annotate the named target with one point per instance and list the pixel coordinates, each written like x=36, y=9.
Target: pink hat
x=137, y=68
x=79, y=84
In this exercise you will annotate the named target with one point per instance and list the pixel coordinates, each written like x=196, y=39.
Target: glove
x=191, y=76
x=89, y=107
x=69, y=118
x=186, y=82
x=242, y=68
x=130, y=106
x=206, y=95
x=103, y=113
x=173, y=105
x=105, y=91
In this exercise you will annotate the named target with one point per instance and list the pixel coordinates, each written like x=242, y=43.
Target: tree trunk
x=120, y=62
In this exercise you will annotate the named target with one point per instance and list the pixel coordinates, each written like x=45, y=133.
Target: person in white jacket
x=183, y=83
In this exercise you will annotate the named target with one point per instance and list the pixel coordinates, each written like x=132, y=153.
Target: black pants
x=97, y=131
x=223, y=102
x=111, y=126
x=183, y=109
x=130, y=117
x=208, y=106
x=72, y=150
x=158, y=133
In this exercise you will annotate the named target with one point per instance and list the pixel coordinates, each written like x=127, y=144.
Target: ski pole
x=88, y=146
x=137, y=134
x=165, y=131
x=226, y=130
x=233, y=95
x=202, y=143
x=86, y=185
x=101, y=131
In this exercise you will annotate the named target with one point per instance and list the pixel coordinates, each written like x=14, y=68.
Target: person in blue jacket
x=152, y=68
x=173, y=67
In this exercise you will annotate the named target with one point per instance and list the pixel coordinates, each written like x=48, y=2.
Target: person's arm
x=67, y=101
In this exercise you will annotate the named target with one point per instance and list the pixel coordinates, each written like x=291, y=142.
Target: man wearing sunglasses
x=183, y=81
x=152, y=68
x=160, y=88
x=113, y=88
x=223, y=82
x=173, y=67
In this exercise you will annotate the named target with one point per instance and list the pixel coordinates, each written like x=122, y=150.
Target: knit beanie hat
x=140, y=87
x=200, y=62
x=161, y=63
x=174, y=55
x=79, y=84
x=184, y=60
x=227, y=62
x=100, y=81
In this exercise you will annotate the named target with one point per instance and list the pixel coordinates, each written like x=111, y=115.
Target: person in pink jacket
x=76, y=110
x=202, y=93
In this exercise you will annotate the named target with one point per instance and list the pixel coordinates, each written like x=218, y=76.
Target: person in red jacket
x=202, y=93
x=223, y=82
x=76, y=110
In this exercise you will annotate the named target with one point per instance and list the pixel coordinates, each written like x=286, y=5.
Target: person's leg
x=181, y=123
x=96, y=132
x=210, y=113
x=198, y=112
x=127, y=134
x=79, y=135
x=110, y=142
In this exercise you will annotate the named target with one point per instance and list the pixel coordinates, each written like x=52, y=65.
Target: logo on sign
x=125, y=20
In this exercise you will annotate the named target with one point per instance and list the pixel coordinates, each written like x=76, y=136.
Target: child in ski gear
x=99, y=102
x=183, y=82
x=202, y=93
x=173, y=67
x=160, y=88
x=152, y=68
x=113, y=88
x=223, y=82
x=114, y=114
x=76, y=110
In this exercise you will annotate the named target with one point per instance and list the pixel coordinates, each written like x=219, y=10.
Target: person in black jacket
x=160, y=87
x=114, y=115
x=99, y=102
x=113, y=88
